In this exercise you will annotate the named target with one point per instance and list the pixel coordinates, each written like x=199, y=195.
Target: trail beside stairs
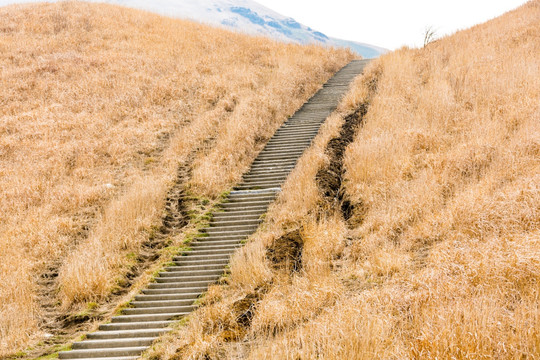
x=175, y=290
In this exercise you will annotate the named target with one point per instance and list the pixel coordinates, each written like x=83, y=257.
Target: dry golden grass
x=441, y=259
x=100, y=105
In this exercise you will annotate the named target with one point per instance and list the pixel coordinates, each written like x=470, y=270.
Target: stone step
x=175, y=291
x=124, y=334
x=300, y=136
x=274, y=162
x=292, y=124
x=323, y=110
x=234, y=194
x=251, y=215
x=212, y=238
x=227, y=223
x=215, y=266
x=162, y=303
x=230, y=236
x=238, y=207
x=135, y=325
x=276, y=176
x=222, y=237
x=207, y=250
x=289, y=141
x=301, y=130
x=188, y=296
x=180, y=285
x=216, y=243
x=200, y=249
x=231, y=226
x=285, y=130
x=257, y=186
x=102, y=353
x=159, y=310
x=232, y=231
x=239, y=230
x=280, y=156
x=234, y=217
x=191, y=272
x=236, y=198
x=186, y=278
x=287, y=144
x=147, y=317
x=266, y=175
x=282, y=151
x=188, y=261
x=197, y=248
x=274, y=183
x=268, y=171
x=304, y=122
x=262, y=171
x=303, y=118
x=113, y=343
x=272, y=168
x=227, y=208
x=313, y=112
x=198, y=252
x=281, y=148
x=302, y=115
x=248, y=204
x=265, y=179
x=277, y=170
x=192, y=285
x=294, y=135
x=292, y=150
x=246, y=199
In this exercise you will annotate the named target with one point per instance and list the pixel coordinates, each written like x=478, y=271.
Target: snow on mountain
x=242, y=15
x=249, y=17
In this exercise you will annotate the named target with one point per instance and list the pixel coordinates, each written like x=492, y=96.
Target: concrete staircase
x=175, y=290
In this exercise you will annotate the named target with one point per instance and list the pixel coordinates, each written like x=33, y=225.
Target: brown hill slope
x=427, y=245
x=100, y=107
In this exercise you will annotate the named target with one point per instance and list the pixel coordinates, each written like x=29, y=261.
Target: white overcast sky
x=390, y=23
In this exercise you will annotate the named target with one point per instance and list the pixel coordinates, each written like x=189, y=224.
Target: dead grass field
x=440, y=256
x=99, y=107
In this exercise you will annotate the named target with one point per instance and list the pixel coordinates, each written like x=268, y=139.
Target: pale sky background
x=386, y=23
x=390, y=23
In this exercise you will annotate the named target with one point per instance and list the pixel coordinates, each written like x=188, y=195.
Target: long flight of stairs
x=175, y=290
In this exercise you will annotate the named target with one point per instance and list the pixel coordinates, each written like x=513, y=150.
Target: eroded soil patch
x=330, y=178
x=285, y=253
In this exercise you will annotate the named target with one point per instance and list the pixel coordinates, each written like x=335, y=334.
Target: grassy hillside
x=426, y=244
x=100, y=108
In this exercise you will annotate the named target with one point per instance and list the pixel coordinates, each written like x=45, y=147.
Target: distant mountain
x=241, y=15
x=249, y=17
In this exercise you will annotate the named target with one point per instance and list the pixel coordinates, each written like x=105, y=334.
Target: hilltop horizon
x=244, y=16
